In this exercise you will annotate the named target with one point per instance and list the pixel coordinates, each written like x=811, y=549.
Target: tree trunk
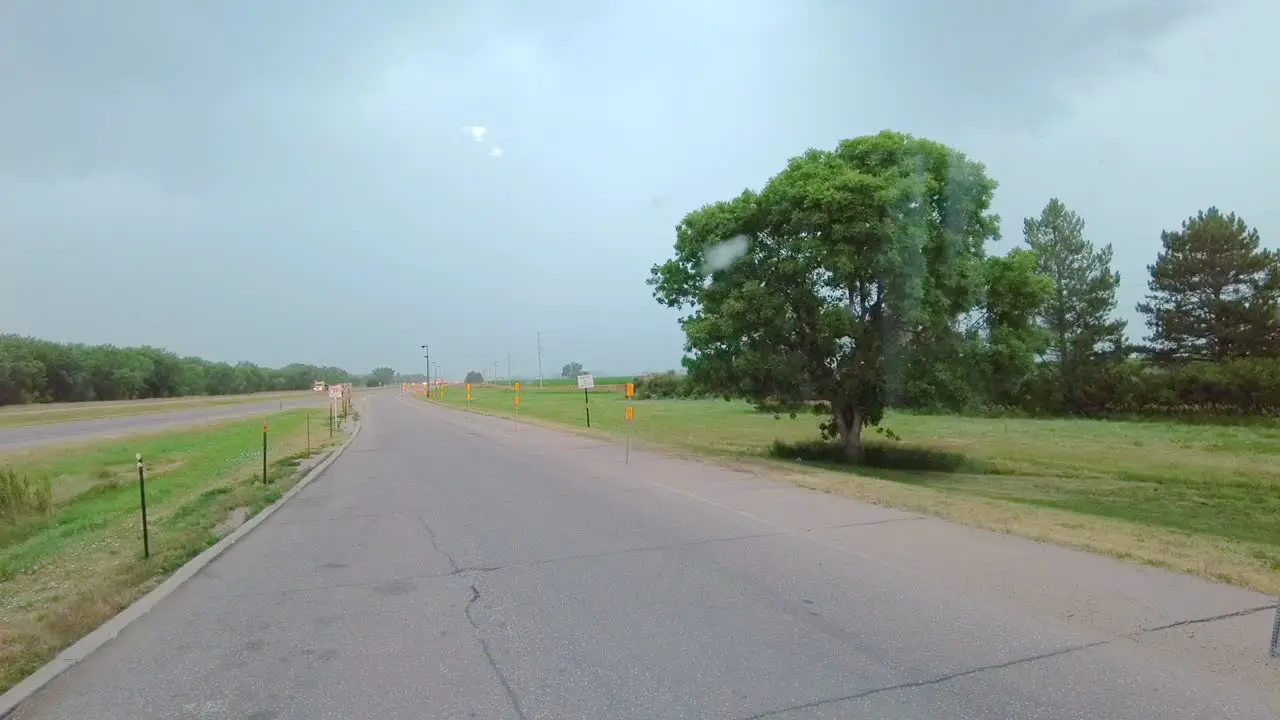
x=849, y=422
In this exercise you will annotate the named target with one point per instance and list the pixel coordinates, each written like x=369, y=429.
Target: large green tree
x=850, y=259
x=1214, y=292
x=1016, y=295
x=1079, y=313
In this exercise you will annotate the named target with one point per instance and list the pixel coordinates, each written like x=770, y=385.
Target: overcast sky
x=307, y=181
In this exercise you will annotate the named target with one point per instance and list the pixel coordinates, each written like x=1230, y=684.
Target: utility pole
x=495, y=372
x=508, y=367
x=426, y=360
x=539, y=358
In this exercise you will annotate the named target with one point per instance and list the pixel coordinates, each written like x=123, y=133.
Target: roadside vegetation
x=70, y=529
x=43, y=414
x=42, y=371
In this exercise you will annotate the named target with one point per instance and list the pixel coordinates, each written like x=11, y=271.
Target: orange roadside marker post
x=631, y=415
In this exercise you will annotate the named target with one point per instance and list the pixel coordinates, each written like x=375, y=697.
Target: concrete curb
x=86, y=645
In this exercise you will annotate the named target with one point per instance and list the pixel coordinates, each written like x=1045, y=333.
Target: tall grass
x=21, y=498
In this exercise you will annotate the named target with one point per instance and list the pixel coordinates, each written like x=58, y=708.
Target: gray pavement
x=458, y=566
x=75, y=431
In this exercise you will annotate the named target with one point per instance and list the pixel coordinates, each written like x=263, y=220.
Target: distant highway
x=75, y=431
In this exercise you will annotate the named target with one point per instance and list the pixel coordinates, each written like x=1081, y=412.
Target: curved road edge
x=106, y=632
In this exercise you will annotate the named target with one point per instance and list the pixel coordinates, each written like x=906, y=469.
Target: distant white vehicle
x=318, y=386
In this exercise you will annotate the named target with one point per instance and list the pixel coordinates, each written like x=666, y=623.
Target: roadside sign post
x=335, y=397
x=308, y=433
x=264, y=453
x=585, y=383
x=142, y=493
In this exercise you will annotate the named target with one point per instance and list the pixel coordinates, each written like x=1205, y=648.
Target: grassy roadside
x=66, y=570
x=22, y=415
x=561, y=382
x=1198, y=499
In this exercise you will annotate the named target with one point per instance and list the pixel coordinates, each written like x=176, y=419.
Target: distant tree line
x=34, y=370
x=859, y=279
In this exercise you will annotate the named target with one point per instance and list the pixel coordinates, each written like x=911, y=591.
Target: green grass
x=571, y=382
x=1199, y=498
x=41, y=414
x=65, y=571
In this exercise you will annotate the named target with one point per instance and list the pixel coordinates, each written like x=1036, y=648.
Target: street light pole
x=426, y=360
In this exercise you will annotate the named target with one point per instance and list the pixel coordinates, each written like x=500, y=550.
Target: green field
x=41, y=414
x=1203, y=499
x=66, y=569
x=566, y=382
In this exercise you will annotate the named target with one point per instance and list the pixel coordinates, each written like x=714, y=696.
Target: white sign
x=586, y=381
x=335, y=391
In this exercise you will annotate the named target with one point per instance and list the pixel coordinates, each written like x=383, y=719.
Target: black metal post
x=142, y=493
x=586, y=400
x=264, y=453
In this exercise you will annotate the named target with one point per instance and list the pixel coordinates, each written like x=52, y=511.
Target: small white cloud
x=495, y=152
x=477, y=132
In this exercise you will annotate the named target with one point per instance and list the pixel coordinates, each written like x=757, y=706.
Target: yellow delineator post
x=468, y=394
x=631, y=415
x=631, y=392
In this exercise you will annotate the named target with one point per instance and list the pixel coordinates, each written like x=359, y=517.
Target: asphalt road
x=457, y=566
x=74, y=431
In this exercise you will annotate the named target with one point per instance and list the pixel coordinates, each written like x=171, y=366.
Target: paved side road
x=457, y=566
x=74, y=431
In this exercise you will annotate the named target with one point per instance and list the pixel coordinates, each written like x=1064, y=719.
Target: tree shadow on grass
x=887, y=460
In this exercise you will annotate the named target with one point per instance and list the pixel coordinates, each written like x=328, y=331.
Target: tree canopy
x=853, y=258
x=382, y=376
x=34, y=370
x=571, y=370
x=474, y=377
x=1078, y=314
x=1214, y=293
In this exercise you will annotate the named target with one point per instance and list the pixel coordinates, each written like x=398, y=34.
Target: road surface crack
x=872, y=522
x=925, y=683
x=1000, y=666
x=454, y=568
x=488, y=654
x=1200, y=621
